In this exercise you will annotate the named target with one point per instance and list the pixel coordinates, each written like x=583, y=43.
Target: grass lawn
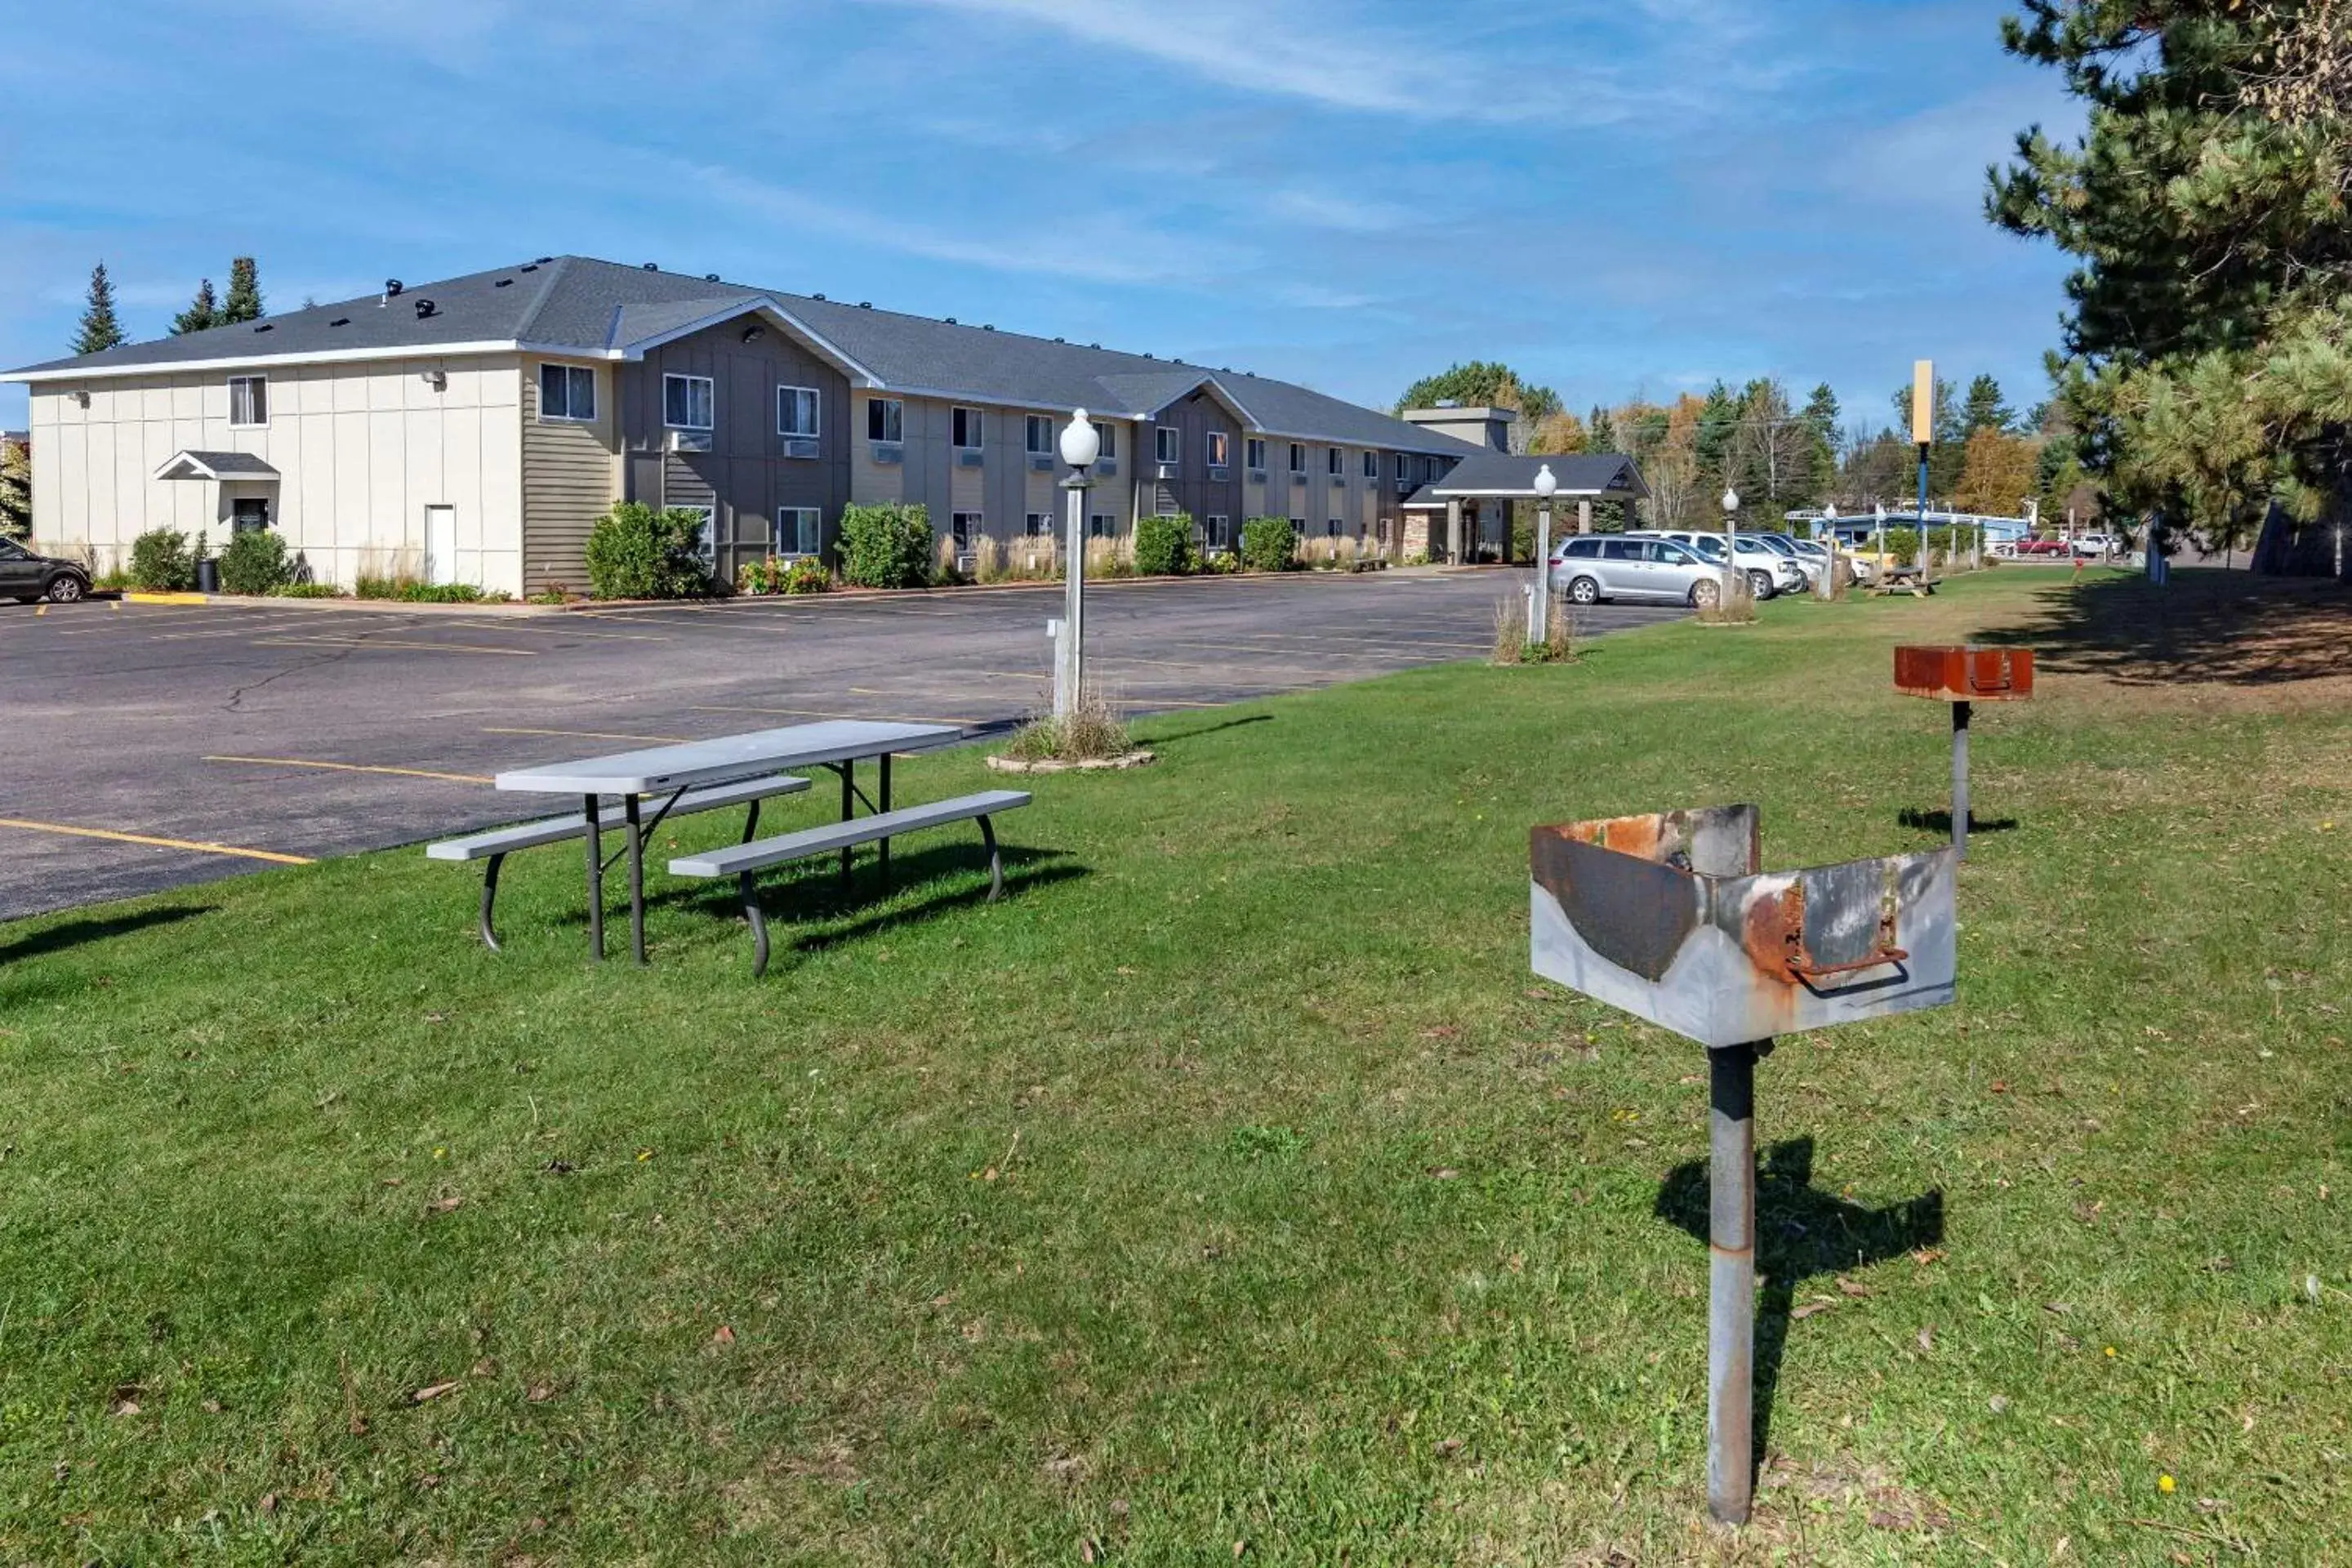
x=1233, y=1189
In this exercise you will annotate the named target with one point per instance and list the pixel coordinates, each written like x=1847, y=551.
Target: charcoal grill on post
x=1672, y=918
x=1963, y=676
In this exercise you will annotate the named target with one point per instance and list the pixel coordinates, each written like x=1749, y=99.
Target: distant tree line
x=100, y=327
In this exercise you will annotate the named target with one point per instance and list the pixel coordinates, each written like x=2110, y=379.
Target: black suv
x=25, y=576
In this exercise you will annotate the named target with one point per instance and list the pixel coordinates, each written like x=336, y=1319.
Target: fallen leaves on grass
x=433, y=1390
x=444, y=1206
x=540, y=1393
x=124, y=1401
x=724, y=1336
x=1852, y=1288
x=1818, y=1304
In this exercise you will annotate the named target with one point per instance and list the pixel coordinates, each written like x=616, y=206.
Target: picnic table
x=1911, y=580
x=668, y=773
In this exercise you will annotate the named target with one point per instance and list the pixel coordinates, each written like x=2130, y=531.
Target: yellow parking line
x=590, y=735
x=553, y=624
x=832, y=713
x=269, y=855
x=394, y=643
x=352, y=768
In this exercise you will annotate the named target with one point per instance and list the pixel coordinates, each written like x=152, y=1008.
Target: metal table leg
x=848, y=770
x=1731, y=1281
x=1960, y=714
x=884, y=845
x=637, y=880
x=595, y=882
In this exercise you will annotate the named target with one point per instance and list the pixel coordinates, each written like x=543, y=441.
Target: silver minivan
x=1590, y=567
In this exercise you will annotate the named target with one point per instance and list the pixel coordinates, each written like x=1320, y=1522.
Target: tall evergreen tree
x=1602, y=431
x=202, y=312
x=1718, y=421
x=1822, y=421
x=101, y=330
x=1983, y=409
x=2207, y=349
x=244, y=302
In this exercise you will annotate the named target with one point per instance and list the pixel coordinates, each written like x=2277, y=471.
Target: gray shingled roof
x=1493, y=473
x=223, y=465
x=591, y=306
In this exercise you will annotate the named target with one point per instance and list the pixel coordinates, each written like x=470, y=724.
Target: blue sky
x=1618, y=197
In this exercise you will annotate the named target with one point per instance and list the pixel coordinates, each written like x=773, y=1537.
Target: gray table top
x=658, y=770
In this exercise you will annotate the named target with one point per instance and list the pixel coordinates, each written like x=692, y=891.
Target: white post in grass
x=1733, y=572
x=1539, y=608
x=1829, y=545
x=1081, y=445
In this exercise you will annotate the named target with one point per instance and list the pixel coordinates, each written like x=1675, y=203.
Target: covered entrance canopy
x=195, y=465
x=1483, y=488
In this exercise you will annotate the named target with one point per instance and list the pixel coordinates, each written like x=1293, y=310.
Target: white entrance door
x=440, y=545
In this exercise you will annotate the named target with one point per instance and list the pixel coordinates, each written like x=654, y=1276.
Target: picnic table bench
x=703, y=775
x=1911, y=580
x=497, y=843
x=744, y=861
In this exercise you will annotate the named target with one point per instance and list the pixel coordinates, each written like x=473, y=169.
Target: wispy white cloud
x=1340, y=213
x=1095, y=246
x=1294, y=48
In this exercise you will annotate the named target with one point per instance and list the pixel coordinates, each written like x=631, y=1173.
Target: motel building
x=472, y=430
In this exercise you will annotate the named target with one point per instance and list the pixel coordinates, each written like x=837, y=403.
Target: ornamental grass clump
x=1092, y=732
x=1734, y=608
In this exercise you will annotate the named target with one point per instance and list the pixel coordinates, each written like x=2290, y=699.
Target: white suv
x=1768, y=571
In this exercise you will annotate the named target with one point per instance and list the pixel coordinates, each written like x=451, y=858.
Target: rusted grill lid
x=1964, y=673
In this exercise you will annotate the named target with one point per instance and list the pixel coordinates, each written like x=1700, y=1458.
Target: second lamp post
x=1540, y=603
x=1081, y=445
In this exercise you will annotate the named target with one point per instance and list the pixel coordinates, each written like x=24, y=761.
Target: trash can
x=207, y=575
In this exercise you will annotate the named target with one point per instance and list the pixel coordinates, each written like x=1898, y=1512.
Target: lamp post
x=1730, y=543
x=1081, y=445
x=1829, y=548
x=1539, y=608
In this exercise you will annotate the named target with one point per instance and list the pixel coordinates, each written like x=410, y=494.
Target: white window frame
x=1110, y=434
x=1037, y=525
x=710, y=401
x=262, y=382
x=1167, y=444
x=809, y=517
x=1372, y=465
x=1102, y=525
x=1298, y=456
x=707, y=540
x=894, y=419
x=1333, y=527
x=1037, y=436
x=966, y=528
x=1335, y=463
x=815, y=411
x=975, y=426
x=1253, y=451
x=1402, y=474
x=573, y=376
x=1219, y=446
x=1216, y=528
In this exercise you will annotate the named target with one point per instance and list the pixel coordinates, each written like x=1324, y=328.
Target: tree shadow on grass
x=1801, y=1233
x=74, y=933
x=2207, y=626
x=810, y=911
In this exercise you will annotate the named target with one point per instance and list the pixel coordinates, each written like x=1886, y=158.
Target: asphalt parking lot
x=151, y=746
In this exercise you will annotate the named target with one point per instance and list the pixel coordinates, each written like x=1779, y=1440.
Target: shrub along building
x=472, y=430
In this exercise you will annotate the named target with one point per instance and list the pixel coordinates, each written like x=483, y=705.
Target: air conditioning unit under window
x=1041, y=462
x=689, y=440
x=800, y=446
x=1166, y=470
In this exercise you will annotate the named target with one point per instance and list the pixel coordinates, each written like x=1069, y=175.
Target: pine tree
x=1821, y=419
x=1983, y=409
x=2206, y=350
x=15, y=489
x=1602, y=432
x=202, y=312
x=100, y=327
x=244, y=302
x=1718, y=418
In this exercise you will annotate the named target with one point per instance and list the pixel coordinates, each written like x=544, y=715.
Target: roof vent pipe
x=391, y=290
x=653, y=267
x=423, y=309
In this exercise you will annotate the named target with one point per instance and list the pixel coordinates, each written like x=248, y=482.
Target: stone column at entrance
x=1584, y=516
x=1453, y=532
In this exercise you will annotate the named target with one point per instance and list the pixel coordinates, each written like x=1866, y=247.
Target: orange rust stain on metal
x=1643, y=837
x=1772, y=933
x=1944, y=673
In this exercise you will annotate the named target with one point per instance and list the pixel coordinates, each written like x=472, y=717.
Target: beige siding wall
x=1003, y=488
x=361, y=452
x=571, y=476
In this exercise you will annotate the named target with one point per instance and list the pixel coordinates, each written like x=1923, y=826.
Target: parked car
x=1768, y=571
x=25, y=576
x=1782, y=544
x=1590, y=567
x=2096, y=545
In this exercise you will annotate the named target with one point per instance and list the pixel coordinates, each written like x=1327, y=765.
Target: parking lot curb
x=135, y=597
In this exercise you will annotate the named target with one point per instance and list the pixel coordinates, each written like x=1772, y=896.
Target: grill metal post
x=1731, y=1281
x=1960, y=713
